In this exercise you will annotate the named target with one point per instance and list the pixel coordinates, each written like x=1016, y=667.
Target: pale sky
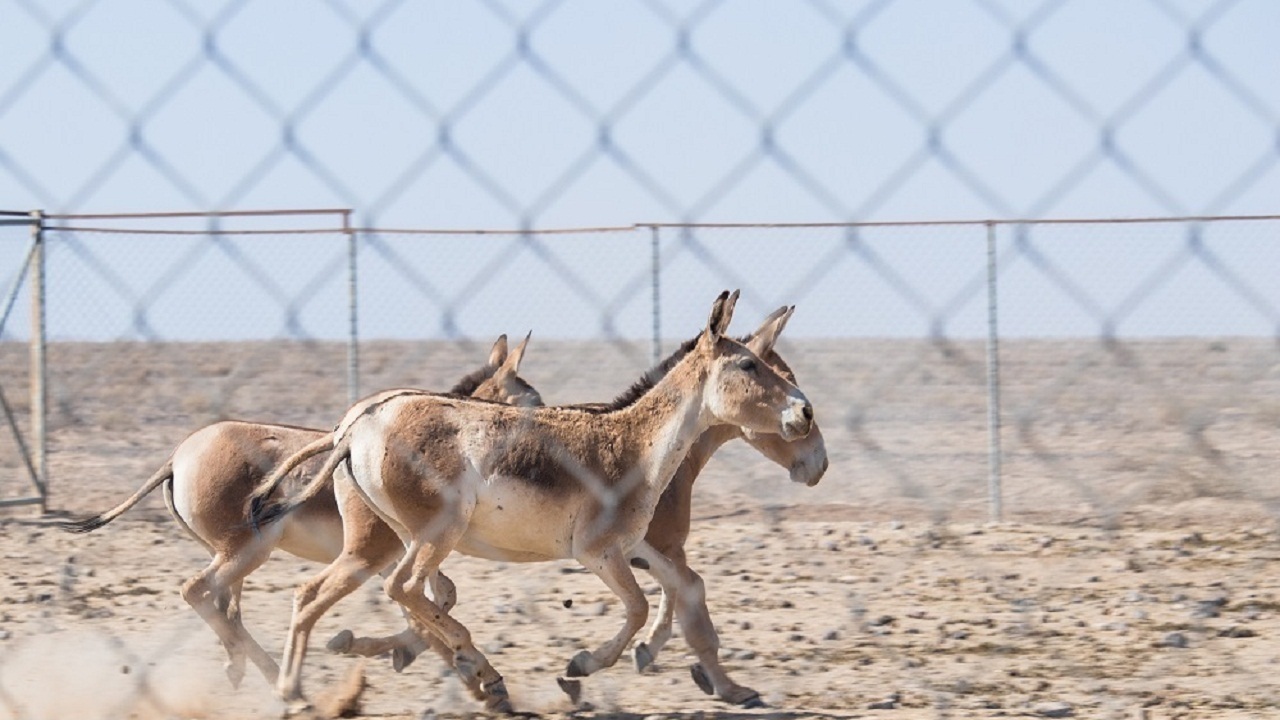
x=582, y=114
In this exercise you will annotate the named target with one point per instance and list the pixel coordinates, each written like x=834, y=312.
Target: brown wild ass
x=806, y=459
x=452, y=474
x=210, y=474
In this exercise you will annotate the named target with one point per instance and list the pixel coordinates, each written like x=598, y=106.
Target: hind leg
x=406, y=645
x=407, y=586
x=213, y=594
x=227, y=602
x=311, y=600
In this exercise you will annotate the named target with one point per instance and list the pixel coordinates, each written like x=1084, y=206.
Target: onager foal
x=210, y=474
x=541, y=484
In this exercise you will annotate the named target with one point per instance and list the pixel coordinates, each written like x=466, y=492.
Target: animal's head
x=744, y=390
x=805, y=458
x=503, y=382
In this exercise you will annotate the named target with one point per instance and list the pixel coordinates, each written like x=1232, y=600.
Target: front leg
x=610, y=565
x=684, y=594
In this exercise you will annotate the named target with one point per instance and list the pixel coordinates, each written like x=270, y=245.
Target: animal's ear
x=721, y=314
x=763, y=339
x=513, y=361
x=498, y=354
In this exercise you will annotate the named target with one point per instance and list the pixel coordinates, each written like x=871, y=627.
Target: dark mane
x=651, y=377
x=468, y=384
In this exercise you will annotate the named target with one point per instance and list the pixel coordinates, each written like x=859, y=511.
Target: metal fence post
x=353, y=330
x=39, y=376
x=993, y=383
x=657, y=295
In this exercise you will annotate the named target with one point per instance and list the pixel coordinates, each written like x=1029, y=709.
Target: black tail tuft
x=263, y=511
x=84, y=525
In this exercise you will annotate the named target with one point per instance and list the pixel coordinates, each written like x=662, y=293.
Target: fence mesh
x=1138, y=361
x=1131, y=572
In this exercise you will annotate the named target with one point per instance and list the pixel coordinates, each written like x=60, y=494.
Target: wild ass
x=211, y=473
x=805, y=459
x=668, y=531
x=449, y=474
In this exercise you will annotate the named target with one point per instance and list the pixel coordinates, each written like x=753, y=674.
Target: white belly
x=514, y=522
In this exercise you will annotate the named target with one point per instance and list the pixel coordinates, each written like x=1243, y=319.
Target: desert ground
x=1132, y=573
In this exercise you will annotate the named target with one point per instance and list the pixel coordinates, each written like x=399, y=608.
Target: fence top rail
x=26, y=218
x=206, y=231
x=936, y=223
x=528, y=231
x=196, y=214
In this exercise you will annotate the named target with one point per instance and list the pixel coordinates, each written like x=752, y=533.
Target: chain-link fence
x=1115, y=377
x=534, y=115
x=1110, y=388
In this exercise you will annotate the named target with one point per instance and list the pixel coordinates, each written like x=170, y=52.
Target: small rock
x=1174, y=640
x=1235, y=631
x=831, y=635
x=1053, y=709
x=889, y=703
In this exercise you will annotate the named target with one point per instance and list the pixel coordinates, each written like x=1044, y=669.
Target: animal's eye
x=747, y=364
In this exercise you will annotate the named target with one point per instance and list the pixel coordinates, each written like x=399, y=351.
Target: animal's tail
x=264, y=510
x=89, y=524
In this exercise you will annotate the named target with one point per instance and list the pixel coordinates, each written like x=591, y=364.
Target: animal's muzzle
x=809, y=471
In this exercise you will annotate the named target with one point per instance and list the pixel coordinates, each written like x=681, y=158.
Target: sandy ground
x=1133, y=574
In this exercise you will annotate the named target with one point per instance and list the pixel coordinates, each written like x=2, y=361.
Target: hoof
x=496, y=698
x=500, y=706
x=402, y=658
x=341, y=643
x=235, y=673
x=699, y=676
x=580, y=665
x=753, y=701
x=572, y=688
x=644, y=658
